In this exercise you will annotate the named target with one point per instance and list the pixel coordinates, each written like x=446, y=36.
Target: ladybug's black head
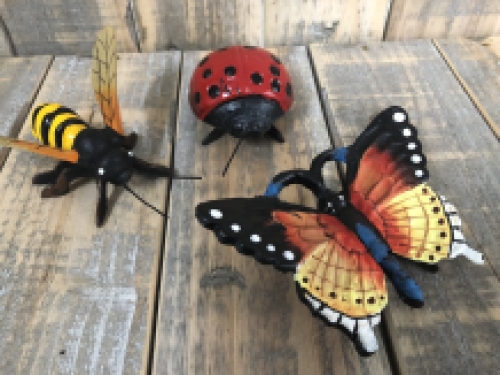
x=117, y=166
x=246, y=116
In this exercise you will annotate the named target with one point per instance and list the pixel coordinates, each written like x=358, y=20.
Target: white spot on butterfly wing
x=406, y=132
x=399, y=117
x=235, y=227
x=416, y=158
x=288, y=255
x=419, y=173
x=255, y=238
x=215, y=213
x=270, y=247
x=411, y=146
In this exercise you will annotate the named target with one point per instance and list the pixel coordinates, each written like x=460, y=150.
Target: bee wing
x=71, y=156
x=104, y=62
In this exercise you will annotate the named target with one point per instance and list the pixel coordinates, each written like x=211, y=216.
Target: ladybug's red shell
x=240, y=91
x=234, y=72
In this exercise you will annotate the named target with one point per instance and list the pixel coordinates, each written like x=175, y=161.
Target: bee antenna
x=232, y=157
x=143, y=201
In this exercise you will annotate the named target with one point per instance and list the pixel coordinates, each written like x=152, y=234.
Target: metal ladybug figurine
x=241, y=91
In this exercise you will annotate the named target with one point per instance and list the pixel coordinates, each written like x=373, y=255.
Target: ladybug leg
x=213, y=136
x=275, y=134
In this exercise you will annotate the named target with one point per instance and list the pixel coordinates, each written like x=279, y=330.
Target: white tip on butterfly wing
x=366, y=336
x=474, y=256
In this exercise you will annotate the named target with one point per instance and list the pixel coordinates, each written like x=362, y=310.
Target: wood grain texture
x=17, y=95
x=458, y=330
x=224, y=313
x=442, y=19
x=493, y=44
x=195, y=24
x=478, y=71
x=342, y=21
x=64, y=27
x=74, y=298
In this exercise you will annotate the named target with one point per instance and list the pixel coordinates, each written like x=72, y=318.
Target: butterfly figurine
x=342, y=251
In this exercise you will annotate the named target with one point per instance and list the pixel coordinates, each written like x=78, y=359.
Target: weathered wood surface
x=458, y=330
x=493, y=44
x=221, y=312
x=195, y=24
x=478, y=71
x=341, y=21
x=17, y=95
x=65, y=27
x=74, y=298
x=442, y=19
x=5, y=43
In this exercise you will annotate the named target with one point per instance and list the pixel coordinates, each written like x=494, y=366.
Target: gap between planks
x=158, y=266
x=495, y=128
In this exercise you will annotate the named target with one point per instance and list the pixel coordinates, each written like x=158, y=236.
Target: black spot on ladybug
x=288, y=89
x=275, y=85
x=197, y=98
x=256, y=78
x=203, y=61
x=278, y=61
x=207, y=73
x=274, y=70
x=213, y=91
x=230, y=71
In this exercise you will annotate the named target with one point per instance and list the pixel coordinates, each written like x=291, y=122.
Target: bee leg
x=50, y=177
x=129, y=141
x=149, y=169
x=61, y=185
x=213, y=136
x=102, y=203
x=275, y=134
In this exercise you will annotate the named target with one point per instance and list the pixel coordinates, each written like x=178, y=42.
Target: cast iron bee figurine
x=104, y=154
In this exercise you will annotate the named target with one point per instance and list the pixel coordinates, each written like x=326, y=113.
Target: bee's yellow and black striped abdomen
x=55, y=125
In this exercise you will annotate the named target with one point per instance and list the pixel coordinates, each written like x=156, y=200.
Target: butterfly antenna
x=143, y=201
x=232, y=157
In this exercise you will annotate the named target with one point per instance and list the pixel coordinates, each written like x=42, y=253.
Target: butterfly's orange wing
x=336, y=268
x=104, y=68
x=65, y=155
x=388, y=189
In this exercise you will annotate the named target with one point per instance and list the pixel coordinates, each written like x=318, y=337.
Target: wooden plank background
x=69, y=27
x=221, y=312
x=64, y=27
x=442, y=19
x=458, y=329
x=77, y=299
x=17, y=95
